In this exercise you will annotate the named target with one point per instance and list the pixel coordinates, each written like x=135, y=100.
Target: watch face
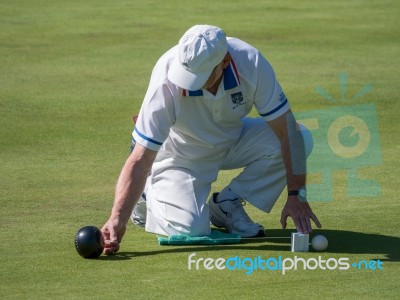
x=302, y=193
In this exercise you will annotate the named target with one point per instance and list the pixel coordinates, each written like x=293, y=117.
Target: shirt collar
x=231, y=80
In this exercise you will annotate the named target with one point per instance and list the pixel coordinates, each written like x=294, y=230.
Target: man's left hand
x=301, y=213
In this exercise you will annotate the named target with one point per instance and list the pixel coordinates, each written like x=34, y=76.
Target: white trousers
x=178, y=189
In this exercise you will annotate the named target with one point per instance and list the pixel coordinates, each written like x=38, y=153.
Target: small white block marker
x=300, y=242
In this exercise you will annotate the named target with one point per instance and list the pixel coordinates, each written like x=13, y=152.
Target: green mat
x=215, y=238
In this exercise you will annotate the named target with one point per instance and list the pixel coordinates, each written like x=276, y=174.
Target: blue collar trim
x=231, y=80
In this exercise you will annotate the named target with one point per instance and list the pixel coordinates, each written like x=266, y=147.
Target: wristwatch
x=301, y=193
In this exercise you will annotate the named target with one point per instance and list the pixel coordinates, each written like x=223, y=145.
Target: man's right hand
x=112, y=232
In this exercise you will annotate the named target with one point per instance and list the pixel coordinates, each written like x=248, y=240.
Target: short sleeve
x=270, y=100
x=155, y=119
x=158, y=113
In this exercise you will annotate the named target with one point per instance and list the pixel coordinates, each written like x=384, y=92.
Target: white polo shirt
x=197, y=124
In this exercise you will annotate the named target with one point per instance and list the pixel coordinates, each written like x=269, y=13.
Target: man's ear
x=226, y=61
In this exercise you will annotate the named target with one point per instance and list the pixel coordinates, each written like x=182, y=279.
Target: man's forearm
x=294, y=179
x=131, y=183
x=293, y=150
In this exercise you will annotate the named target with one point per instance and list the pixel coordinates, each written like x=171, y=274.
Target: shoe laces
x=238, y=206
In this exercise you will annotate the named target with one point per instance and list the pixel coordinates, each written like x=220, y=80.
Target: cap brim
x=181, y=77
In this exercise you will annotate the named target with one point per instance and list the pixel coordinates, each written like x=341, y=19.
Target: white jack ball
x=319, y=243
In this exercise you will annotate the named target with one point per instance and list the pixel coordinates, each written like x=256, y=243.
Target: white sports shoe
x=139, y=212
x=230, y=214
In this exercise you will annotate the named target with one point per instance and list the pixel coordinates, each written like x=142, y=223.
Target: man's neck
x=214, y=89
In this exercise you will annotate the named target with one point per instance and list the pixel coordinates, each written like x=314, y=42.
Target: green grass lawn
x=74, y=72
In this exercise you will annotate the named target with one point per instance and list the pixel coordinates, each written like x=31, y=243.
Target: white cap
x=200, y=50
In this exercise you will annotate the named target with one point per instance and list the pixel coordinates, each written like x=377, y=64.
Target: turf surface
x=74, y=72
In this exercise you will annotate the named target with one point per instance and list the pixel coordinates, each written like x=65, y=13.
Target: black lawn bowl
x=89, y=242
